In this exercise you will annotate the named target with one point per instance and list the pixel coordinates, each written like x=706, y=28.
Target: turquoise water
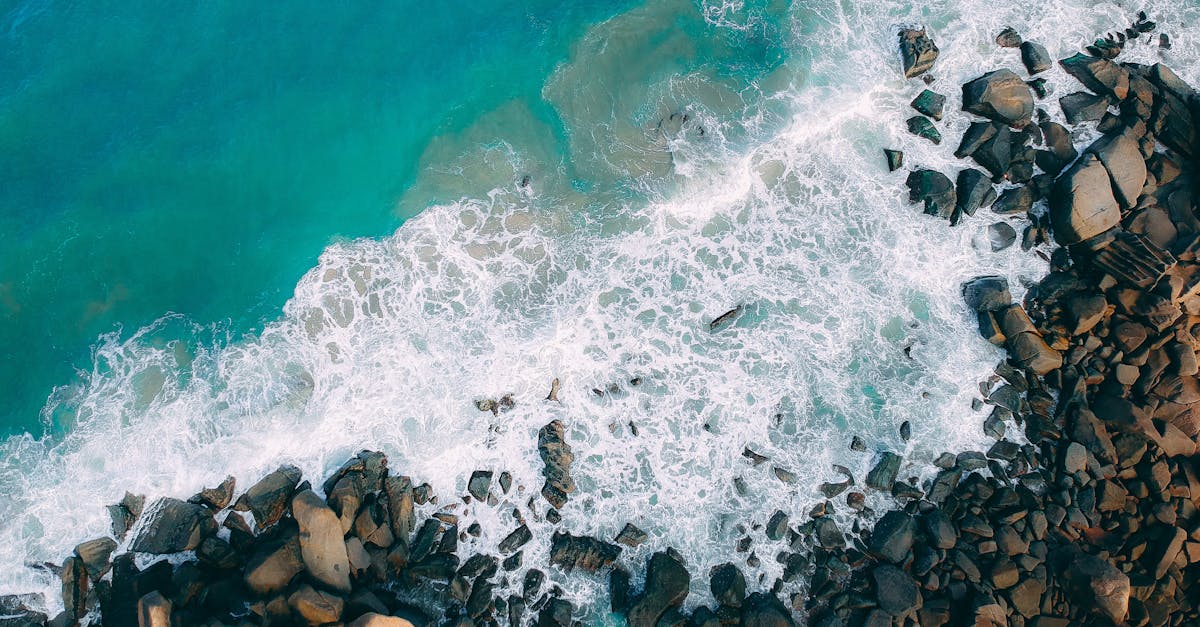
x=197, y=158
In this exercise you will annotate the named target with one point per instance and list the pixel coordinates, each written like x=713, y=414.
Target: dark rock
x=883, y=475
x=892, y=538
x=515, y=540
x=1126, y=168
x=1038, y=85
x=1035, y=57
x=857, y=444
x=987, y=293
x=1095, y=583
x=171, y=526
x=268, y=499
x=895, y=590
x=973, y=191
x=1014, y=201
x=631, y=536
x=895, y=159
x=764, y=610
x=95, y=555
x=975, y=136
x=930, y=103
x=996, y=154
x=667, y=582
x=556, y=613
x=1082, y=205
x=934, y=189
x=1001, y=96
x=479, y=484
x=619, y=591
x=532, y=584
x=274, y=566
x=728, y=585
x=1001, y=235
x=778, y=525
x=1083, y=107
x=1008, y=38
x=917, y=52
x=1060, y=152
x=557, y=456
x=940, y=529
x=828, y=534
x=217, y=498
x=923, y=128
x=399, y=491
x=906, y=431
x=74, y=588
x=1099, y=75
x=569, y=552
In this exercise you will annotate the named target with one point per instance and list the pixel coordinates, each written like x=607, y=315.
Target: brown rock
x=274, y=567
x=315, y=607
x=154, y=611
x=268, y=499
x=372, y=619
x=321, y=545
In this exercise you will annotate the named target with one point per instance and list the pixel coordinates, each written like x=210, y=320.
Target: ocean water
x=582, y=190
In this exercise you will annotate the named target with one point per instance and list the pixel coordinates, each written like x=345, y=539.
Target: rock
x=1026, y=597
x=728, y=585
x=940, y=529
x=217, y=498
x=75, y=585
x=557, y=456
x=399, y=491
x=1038, y=85
x=667, y=582
x=154, y=610
x=1035, y=57
x=921, y=127
x=987, y=293
x=515, y=540
x=268, y=499
x=1082, y=205
x=895, y=590
x=1166, y=550
x=1000, y=235
x=917, y=52
x=1075, y=458
x=1031, y=352
x=1126, y=168
x=996, y=154
x=1008, y=38
x=934, y=189
x=892, y=538
x=322, y=547
x=764, y=610
x=929, y=103
x=1001, y=96
x=274, y=566
x=828, y=534
x=895, y=159
x=778, y=525
x=1086, y=312
x=569, y=552
x=95, y=555
x=906, y=431
x=883, y=475
x=631, y=536
x=1014, y=201
x=170, y=526
x=976, y=135
x=371, y=619
x=480, y=483
x=1098, y=584
x=1099, y=75
x=315, y=607
x=1082, y=107
x=974, y=190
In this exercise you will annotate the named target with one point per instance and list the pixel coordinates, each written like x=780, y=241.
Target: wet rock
x=1035, y=57
x=515, y=540
x=631, y=536
x=883, y=475
x=557, y=456
x=895, y=590
x=728, y=585
x=997, y=153
x=764, y=610
x=857, y=444
x=923, y=128
x=1082, y=205
x=917, y=52
x=895, y=159
x=399, y=491
x=778, y=525
x=315, y=607
x=154, y=610
x=217, y=498
x=96, y=555
x=934, y=190
x=1014, y=201
x=479, y=484
x=1126, y=168
x=1000, y=235
x=1008, y=38
x=974, y=190
x=371, y=619
x=1098, y=584
x=828, y=534
x=892, y=538
x=322, y=547
x=929, y=103
x=1001, y=96
x=171, y=526
x=1099, y=75
x=667, y=582
x=569, y=552
x=556, y=613
x=75, y=585
x=987, y=293
x=274, y=566
x=268, y=499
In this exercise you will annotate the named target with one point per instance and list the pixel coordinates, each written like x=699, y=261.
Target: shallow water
x=634, y=231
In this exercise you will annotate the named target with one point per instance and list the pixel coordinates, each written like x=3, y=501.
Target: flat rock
x=973, y=191
x=557, y=456
x=929, y=103
x=987, y=293
x=274, y=566
x=1099, y=75
x=883, y=475
x=920, y=126
x=631, y=536
x=895, y=159
x=1122, y=158
x=1081, y=106
x=895, y=590
x=1008, y=38
x=892, y=538
x=586, y=553
x=479, y=484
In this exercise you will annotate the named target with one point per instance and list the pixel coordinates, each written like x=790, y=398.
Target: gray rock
x=777, y=526
x=892, y=538
x=1001, y=96
x=557, y=456
x=883, y=475
x=934, y=189
x=940, y=529
x=1082, y=205
x=479, y=484
x=828, y=534
x=728, y=585
x=973, y=191
x=987, y=293
x=895, y=159
x=1008, y=38
x=1082, y=106
x=1014, y=201
x=974, y=137
x=1099, y=75
x=895, y=590
x=667, y=582
x=1000, y=236
x=515, y=540
x=1035, y=57
x=1098, y=584
x=921, y=127
x=1126, y=168
x=631, y=536
x=569, y=552
x=170, y=526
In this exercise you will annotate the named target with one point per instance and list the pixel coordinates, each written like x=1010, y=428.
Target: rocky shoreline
x=1084, y=511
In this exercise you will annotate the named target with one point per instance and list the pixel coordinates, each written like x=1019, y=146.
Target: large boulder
x=917, y=51
x=667, y=582
x=316, y=607
x=274, y=566
x=895, y=590
x=934, y=189
x=1082, y=106
x=1001, y=96
x=892, y=538
x=1098, y=584
x=1035, y=57
x=1099, y=75
x=1122, y=158
x=974, y=190
x=170, y=526
x=322, y=546
x=1082, y=205
x=557, y=456
x=268, y=498
x=1059, y=152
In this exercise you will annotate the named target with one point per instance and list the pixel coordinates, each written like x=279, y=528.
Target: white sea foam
x=388, y=343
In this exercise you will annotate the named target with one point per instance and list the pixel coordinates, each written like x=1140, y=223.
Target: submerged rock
x=1008, y=38
x=895, y=159
x=921, y=127
x=1035, y=58
x=934, y=190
